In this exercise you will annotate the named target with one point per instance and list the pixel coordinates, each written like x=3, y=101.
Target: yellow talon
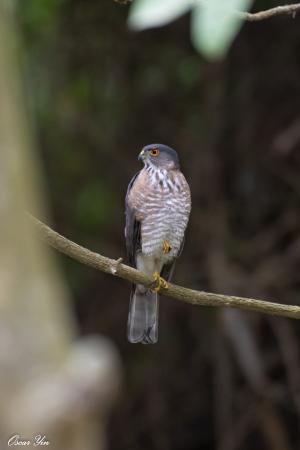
x=166, y=247
x=160, y=282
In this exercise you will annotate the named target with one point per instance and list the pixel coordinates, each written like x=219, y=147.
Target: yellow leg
x=160, y=282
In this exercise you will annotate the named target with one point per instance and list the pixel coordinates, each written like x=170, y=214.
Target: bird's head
x=160, y=156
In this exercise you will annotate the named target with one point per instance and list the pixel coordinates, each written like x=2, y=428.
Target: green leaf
x=155, y=13
x=215, y=24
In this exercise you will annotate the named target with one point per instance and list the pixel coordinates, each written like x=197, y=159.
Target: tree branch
x=115, y=267
x=268, y=13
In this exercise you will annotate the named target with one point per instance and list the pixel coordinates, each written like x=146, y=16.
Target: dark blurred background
x=98, y=93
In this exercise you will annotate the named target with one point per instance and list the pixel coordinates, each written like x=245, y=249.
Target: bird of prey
x=158, y=205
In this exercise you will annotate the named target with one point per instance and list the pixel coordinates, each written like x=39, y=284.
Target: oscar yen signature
x=38, y=440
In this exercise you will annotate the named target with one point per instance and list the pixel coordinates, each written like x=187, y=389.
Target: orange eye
x=154, y=152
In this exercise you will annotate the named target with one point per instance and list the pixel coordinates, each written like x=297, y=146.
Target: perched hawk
x=158, y=205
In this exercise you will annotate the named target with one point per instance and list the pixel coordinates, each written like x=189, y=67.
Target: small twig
x=120, y=270
x=123, y=2
x=268, y=13
x=115, y=267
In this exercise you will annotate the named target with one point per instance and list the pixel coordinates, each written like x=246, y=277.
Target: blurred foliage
x=98, y=93
x=214, y=24
x=39, y=17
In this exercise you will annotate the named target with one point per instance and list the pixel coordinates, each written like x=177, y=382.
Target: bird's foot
x=166, y=246
x=160, y=283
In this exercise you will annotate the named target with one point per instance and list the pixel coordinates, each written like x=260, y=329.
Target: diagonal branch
x=115, y=267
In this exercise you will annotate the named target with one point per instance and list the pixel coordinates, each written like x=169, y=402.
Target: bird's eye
x=154, y=152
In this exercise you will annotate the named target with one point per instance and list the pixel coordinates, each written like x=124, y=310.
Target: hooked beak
x=142, y=156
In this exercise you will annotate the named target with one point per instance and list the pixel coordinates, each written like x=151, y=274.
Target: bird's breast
x=164, y=206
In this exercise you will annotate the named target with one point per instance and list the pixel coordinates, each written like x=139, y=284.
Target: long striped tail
x=143, y=317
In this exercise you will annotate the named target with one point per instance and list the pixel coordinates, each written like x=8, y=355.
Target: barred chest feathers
x=162, y=202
